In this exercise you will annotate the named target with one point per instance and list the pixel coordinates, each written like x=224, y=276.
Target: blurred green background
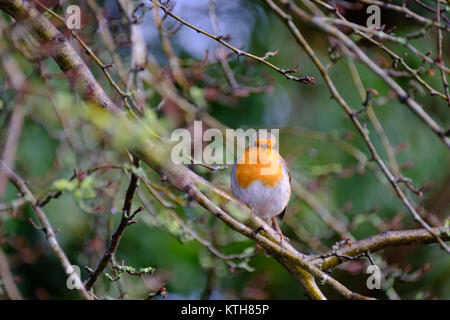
x=313, y=128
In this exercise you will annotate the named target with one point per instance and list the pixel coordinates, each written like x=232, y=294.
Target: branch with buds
x=151, y=148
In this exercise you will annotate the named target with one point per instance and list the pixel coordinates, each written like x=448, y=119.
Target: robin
x=260, y=178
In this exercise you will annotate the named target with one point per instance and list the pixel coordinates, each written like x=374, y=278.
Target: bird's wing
x=281, y=215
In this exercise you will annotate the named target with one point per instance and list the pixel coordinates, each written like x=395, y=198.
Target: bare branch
x=46, y=228
x=349, y=111
x=64, y=54
x=8, y=279
x=127, y=217
x=239, y=52
x=440, y=57
x=378, y=242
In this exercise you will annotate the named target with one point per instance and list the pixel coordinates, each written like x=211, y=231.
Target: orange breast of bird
x=254, y=164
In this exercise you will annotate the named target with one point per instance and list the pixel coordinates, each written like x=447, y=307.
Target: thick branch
x=61, y=50
x=376, y=243
x=239, y=217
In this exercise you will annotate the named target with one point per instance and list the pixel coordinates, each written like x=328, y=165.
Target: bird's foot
x=278, y=230
x=282, y=237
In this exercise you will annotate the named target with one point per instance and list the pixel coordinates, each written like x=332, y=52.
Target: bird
x=260, y=179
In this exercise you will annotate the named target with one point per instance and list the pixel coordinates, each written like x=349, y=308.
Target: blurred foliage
x=88, y=211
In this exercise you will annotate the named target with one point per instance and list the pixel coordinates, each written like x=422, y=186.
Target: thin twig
x=221, y=53
x=353, y=117
x=127, y=217
x=18, y=82
x=8, y=278
x=207, y=244
x=47, y=229
x=403, y=97
x=440, y=57
x=220, y=39
x=408, y=13
x=424, y=5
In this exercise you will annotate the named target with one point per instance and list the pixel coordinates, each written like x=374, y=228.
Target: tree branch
x=403, y=97
x=378, y=242
x=8, y=279
x=155, y=153
x=287, y=19
x=127, y=217
x=60, y=49
x=46, y=227
x=220, y=39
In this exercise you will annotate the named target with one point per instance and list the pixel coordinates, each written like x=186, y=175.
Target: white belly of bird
x=265, y=201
